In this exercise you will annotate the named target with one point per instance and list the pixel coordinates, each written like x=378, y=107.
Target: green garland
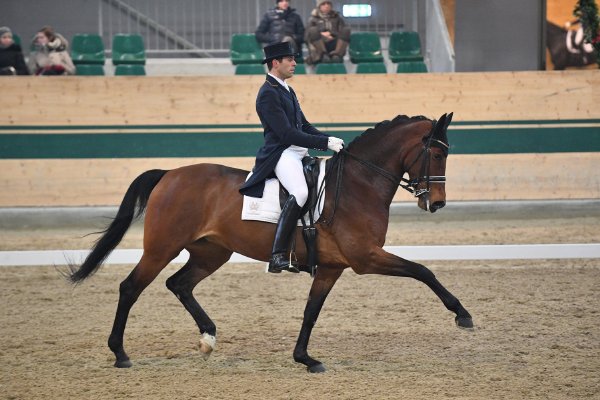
x=586, y=11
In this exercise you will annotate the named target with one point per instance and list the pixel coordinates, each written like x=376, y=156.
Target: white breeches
x=290, y=174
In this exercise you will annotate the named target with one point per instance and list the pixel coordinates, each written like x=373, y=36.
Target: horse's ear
x=440, y=128
x=439, y=131
x=449, y=119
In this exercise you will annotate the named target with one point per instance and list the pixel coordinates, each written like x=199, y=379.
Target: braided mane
x=387, y=125
x=379, y=128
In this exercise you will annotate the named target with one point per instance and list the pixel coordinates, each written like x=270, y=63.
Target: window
x=356, y=10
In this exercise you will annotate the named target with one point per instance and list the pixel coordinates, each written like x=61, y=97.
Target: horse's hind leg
x=129, y=291
x=205, y=258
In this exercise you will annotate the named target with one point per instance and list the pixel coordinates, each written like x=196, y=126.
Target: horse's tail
x=136, y=197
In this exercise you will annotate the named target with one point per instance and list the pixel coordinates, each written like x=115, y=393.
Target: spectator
x=281, y=24
x=11, y=56
x=327, y=35
x=50, y=55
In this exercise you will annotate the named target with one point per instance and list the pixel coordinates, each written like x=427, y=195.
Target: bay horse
x=198, y=208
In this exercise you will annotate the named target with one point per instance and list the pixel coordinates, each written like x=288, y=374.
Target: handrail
x=152, y=24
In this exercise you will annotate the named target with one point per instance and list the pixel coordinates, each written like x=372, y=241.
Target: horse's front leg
x=324, y=280
x=378, y=261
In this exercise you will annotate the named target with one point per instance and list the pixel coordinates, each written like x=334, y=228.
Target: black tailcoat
x=284, y=125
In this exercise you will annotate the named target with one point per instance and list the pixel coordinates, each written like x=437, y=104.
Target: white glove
x=335, y=144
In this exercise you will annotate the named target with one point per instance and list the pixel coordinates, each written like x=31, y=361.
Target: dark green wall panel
x=239, y=141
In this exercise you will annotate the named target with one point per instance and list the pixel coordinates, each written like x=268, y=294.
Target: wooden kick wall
x=55, y=132
x=508, y=96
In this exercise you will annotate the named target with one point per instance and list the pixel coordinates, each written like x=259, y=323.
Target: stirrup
x=279, y=263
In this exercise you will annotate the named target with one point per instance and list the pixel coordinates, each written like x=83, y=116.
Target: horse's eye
x=437, y=156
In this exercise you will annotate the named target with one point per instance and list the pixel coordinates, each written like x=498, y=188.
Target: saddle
x=311, y=169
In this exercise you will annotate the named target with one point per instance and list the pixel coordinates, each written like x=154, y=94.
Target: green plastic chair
x=410, y=67
x=300, y=69
x=365, y=47
x=130, y=70
x=87, y=48
x=333, y=68
x=245, y=49
x=128, y=49
x=371, y=68
x=405, y=46
x=250, y=69
x=89, y=70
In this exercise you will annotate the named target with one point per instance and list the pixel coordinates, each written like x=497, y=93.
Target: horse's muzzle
x=433, y=207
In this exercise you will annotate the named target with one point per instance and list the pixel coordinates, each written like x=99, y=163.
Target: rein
x=410, y=186
x=388, y=175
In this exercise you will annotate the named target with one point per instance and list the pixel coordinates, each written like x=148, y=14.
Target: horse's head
x=422, y=152
x=427, y=173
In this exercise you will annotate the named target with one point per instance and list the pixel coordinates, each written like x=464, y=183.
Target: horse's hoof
x=207, y=345
x=123, y=364
x=464, y=322
x=316, y=369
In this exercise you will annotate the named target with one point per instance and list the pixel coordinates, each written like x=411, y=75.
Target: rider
x=288, y=136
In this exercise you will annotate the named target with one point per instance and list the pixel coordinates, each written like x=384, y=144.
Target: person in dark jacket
x=281, y=24
x=327, y=35
x=11, y=55
x=288, y=136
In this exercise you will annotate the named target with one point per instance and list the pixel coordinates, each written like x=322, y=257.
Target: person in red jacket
x=50, y=54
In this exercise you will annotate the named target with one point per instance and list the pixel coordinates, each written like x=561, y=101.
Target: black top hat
x=278, y=50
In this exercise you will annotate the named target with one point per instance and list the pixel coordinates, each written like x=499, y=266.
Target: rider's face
x=284, y=69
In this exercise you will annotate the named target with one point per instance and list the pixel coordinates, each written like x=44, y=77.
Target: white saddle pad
x=267, y=208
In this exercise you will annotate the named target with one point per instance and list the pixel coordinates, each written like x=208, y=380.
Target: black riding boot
x=286, y=226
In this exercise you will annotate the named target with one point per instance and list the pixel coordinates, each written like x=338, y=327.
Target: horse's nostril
x=437, y=205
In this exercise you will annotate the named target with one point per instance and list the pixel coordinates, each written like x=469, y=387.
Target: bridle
x=411, y=186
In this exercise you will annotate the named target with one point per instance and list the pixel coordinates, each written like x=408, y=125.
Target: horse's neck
x=384, y=151
x=379, y=187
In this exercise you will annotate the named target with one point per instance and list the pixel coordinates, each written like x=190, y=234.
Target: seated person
x=50, y=55
x=281, y=24
x=11, y=56
x=327, y=35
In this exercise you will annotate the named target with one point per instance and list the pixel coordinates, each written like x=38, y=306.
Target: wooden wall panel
x=100, y=182
x=86, y=182
x=324, y=98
